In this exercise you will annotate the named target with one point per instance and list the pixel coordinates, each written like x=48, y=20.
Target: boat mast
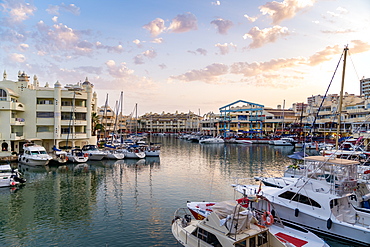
x=341, y=97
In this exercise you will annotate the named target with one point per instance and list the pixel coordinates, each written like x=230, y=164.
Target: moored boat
x=93, y=152
x=10, y=177
x=320, y=200
x=34, y=155
x=228, y=225
x=264, y=212
x=76, y=155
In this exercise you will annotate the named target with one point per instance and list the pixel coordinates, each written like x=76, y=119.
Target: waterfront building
x=365, y=87
x=50, y=116
x=210, y=124
x=169, y=122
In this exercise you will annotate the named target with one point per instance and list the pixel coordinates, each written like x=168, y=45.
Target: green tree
x=96, y=125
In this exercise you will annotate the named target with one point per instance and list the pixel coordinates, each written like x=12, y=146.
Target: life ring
x=267, y=218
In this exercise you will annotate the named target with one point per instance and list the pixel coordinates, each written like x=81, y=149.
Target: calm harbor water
x=128, y=202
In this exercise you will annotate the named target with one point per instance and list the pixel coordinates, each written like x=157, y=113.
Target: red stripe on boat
x=286, y=238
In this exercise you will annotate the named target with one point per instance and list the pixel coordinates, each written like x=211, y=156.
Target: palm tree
x=96, y=125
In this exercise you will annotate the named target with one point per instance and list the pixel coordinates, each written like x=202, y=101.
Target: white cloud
x=155, y=27
x=217, y=3
x=150, y=53
x=54, y=9
x=17, y=10
x=16, y=57
x=23, y=47
x=268, y=35
x=225, y=48
x=222, y=25
x=157, y=41
x=183, y=23
x=209, y=75
x=251, y=19
x=287, y=9
x=55, y=19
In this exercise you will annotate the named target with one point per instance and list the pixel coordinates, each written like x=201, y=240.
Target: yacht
x=320, y=200
x=34, y=155
x=228, y=225
x=10, y=177
x=212, y=140
x=265, y=213
x=76, y=155
x=133, y=152
x=93, y=152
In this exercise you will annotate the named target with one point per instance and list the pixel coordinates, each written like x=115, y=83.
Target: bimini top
x=333, y=161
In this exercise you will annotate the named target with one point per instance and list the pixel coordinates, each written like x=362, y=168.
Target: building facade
x=50, y=116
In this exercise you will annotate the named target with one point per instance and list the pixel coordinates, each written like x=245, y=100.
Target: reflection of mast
x=341, y=97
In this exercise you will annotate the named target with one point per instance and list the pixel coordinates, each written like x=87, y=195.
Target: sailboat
x=133, y=150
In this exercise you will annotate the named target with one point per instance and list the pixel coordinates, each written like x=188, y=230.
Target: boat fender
x=329, y=222
x=267, y=218
x=296, y=212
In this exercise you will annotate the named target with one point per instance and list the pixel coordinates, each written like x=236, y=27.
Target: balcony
x=8, y=105
x=17, y=121
x=16, y=136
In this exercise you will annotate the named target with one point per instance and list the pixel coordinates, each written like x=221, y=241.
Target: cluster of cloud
x=181, y=23
x=16, y=11
x=279, y=11
x=139, y=59
x=225, y=48
x=267, y=35
x=214, y=72
x=54, y=9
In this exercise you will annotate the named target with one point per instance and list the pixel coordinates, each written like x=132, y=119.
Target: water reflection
x=126, y=202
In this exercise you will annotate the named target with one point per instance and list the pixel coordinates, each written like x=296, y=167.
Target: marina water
x=129, y=202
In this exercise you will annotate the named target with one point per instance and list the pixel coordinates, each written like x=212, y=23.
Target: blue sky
x=188, y=55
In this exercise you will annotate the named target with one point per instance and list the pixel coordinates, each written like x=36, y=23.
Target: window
x=65, y=130
x=299, y=198
x=45, y=114
x=45, y=101
x=43, y=129
x=262, y=238
x=207, y=237
x=3, y=95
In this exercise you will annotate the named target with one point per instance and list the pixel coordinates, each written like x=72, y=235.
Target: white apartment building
x=49, y=116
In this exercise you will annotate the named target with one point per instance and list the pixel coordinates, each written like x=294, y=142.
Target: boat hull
x=340, y=230
x=33, y=161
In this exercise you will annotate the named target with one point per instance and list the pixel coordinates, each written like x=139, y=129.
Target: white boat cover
x=235, y=217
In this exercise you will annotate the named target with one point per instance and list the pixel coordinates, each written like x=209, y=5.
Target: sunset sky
x=190, y=55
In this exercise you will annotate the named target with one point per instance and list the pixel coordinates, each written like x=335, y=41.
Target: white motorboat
x=320, y=200
x=133, y=152
x=93, y=152
x=285, y=141
x=228, y=225
x=10, y=177
x=113, y=154
x=34, y=155
x=265, y=213
x=243, y=141
x=212, y=140
x=76, y=155
x=152, y=150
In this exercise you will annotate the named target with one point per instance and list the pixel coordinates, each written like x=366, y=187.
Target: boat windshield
x=38, y=152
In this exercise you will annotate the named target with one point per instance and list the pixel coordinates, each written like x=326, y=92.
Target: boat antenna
x=341, y=97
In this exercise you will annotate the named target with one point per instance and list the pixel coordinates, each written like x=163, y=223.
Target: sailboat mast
x=341, y=97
